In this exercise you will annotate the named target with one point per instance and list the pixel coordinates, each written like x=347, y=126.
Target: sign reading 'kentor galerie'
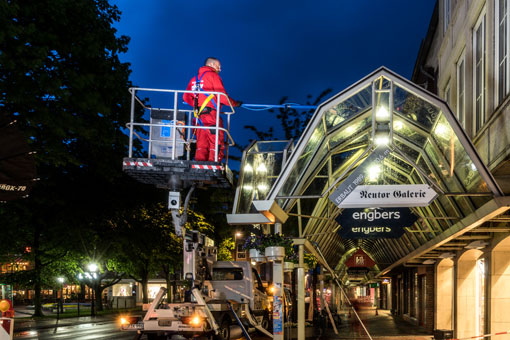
x=407, y=195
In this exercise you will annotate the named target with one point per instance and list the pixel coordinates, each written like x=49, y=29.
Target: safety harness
x=197, y=111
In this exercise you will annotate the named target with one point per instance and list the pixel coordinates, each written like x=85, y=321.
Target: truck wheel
x=224, y=331
x=266, y=324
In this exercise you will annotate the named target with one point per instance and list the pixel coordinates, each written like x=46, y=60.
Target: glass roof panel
x=349, y=108
x=361, y=125
x=340, y=161
x=406, y=130
x=455, y=155
x=260, y=168
x=411, y=152
x=414, y=108
x=303, y=160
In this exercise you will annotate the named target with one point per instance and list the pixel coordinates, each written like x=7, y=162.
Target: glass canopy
x=427, y=144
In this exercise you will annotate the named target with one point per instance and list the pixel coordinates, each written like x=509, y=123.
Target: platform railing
x=189, y=129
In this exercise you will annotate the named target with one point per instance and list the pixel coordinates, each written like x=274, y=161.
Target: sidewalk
x=383, y=326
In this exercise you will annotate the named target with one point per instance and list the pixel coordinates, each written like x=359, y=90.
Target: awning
x=426, y=146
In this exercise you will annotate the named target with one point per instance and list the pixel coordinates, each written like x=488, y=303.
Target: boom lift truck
x=222, y=292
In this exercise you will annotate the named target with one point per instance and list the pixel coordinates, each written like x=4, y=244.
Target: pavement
x=23, y=320
x=26, y=324
x=382, y=326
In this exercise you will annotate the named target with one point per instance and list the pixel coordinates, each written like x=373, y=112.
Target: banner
x=378, y=217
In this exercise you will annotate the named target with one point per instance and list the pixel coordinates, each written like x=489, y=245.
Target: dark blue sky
x=271, y=49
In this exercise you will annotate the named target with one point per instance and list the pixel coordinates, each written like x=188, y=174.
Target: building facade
x=464, y=59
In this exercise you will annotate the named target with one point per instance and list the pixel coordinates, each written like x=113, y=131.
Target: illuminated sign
x=378, y=217
x=370, y=232
x=409, y=195
x=359, y=259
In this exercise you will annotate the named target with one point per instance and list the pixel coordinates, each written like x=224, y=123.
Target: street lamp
x=91, y=276
x=93, y=268
x=61, y=302
x=236, y=235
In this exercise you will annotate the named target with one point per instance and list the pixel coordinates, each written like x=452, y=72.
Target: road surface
x=101, y=330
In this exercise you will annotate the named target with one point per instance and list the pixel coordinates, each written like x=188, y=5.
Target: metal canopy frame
x=430, y=148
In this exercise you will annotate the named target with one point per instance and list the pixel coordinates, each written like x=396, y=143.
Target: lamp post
x=236, y=235
x=91, y=276
x=93, y=269
x=61, y=301
x=81, y=294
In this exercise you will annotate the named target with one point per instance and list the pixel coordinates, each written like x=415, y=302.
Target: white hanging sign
x=383, y=196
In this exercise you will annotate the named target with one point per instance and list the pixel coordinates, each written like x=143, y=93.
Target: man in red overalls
x=208, y=80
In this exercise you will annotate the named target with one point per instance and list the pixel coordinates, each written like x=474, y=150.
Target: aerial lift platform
x=162, y=132
x=167, y=134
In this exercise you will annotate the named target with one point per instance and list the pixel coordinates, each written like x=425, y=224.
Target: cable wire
x=263, y=107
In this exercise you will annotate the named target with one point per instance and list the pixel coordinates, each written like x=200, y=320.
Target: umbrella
x=17, y=166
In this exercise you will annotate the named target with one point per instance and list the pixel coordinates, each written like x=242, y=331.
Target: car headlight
x=128, y=320
x=194, y=320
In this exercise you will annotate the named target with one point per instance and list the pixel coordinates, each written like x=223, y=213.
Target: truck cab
x=239, y=281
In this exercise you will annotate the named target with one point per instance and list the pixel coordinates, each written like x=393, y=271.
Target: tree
x=96, y=241
x=148, y=243
x=225, y=249
x=101, y=278
x=62, y=80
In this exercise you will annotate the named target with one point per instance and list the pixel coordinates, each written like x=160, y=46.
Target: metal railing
x=179, y=133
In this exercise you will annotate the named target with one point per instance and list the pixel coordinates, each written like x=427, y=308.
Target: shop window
x=480, y=296
x=479, y=52
x=446, y=14
x=416, y=304
x=461, y=90
x=502, y=50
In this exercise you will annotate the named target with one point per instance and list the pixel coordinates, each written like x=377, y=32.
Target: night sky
x=271, y=49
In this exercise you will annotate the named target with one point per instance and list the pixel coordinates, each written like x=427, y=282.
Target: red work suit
x=210, y=81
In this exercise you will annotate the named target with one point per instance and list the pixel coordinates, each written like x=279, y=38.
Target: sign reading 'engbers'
x=374, y=223
x=395, y=217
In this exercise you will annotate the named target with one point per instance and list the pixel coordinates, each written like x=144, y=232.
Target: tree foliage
x=225, y=249
x=148, y=244
x=62, y=80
